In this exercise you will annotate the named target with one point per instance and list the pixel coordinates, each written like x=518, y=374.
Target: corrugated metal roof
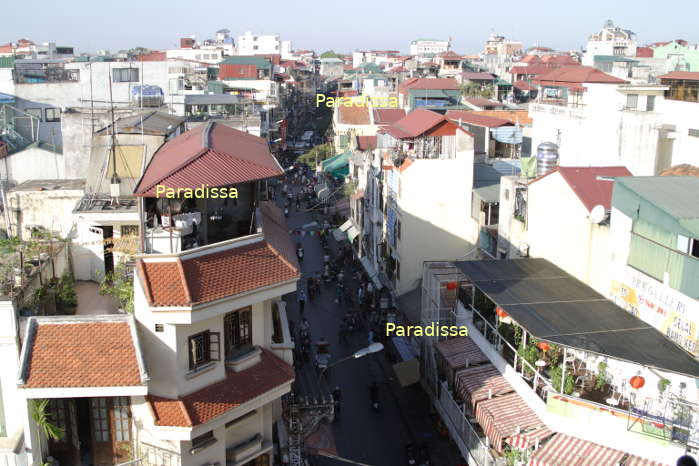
x=259, y=62
x=211, y=99
x=475, y=118
x=676, y=195
x=153, y=123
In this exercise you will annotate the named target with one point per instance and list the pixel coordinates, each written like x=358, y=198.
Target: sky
x=90, y=25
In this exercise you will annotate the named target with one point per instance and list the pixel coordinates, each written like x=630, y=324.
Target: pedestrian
x=302, y=301
x=298, y=203
x=337, y=399
x=371, y=336
x=360, y=294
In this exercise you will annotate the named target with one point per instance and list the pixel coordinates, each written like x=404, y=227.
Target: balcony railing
x=152, y=455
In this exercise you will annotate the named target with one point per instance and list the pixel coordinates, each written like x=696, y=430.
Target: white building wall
x=254, y=44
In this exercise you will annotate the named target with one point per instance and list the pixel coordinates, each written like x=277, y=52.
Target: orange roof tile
x=578, y=75
x=195, y=280
x=211, y=402
x=515, y=116
x=684, y=169
x=80, y=352
x=685, y=75
x=354, y=115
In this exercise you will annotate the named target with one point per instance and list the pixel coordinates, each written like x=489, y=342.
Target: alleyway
x=361, y=434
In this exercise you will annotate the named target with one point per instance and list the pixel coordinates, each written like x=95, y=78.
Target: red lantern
x=543, y=346
x=500, y=312
x=451, y=285
x=637, y=382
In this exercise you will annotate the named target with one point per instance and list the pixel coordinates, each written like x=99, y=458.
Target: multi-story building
x=449, y=64
x=254, y=44
x=678, y=55
x=431, y=47
x=196, y=375
x=425, y=92
x=610, y=40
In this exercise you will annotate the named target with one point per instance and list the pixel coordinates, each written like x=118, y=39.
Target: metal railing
x=461, y=429
x=152, y=455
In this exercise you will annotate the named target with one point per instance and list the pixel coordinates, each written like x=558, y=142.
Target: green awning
x=338, y=165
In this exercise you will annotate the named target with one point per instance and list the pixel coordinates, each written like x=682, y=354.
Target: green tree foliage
x=329, y=54
x=322, y=152
x=119, y=285
x=43, y=419
x=476, y=90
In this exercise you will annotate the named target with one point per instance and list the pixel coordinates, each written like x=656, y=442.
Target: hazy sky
x=91, y=25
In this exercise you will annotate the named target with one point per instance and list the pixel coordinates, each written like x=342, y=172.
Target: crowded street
x=364, y=433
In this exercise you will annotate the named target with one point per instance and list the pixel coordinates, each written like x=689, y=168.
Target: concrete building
x=414, y=93
x=678, y=55
x=610, y=40
x=431, y=47
x=254, y=44
x=331, y=67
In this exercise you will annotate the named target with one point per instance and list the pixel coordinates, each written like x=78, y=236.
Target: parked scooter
x=299, y=251
x=322, y=354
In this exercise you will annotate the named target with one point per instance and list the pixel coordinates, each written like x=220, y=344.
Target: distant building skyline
x=321, y=26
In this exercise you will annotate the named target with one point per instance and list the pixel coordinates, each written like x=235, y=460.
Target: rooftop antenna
x=115, y=181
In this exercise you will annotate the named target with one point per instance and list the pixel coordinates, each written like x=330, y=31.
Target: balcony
x=558, y=108
x=151, y=455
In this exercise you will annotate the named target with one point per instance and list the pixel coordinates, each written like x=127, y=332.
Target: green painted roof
x=613, y=59
x=337, y=165
x=7, y=62
x=503, y=83
x=259, y=62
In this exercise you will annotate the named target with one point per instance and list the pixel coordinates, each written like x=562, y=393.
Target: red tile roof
x=366, y=142
x=681, y=170
x=478, y=75
x=531, y=70
x=560, y=60
x=386, y=116
x=414, y=124
x=591, y=191
x=515, y=116
x=7, y=48
x=475, y=118
x=217, y=399
x=428, y=84
x=212, y=154
x=80, y=352
x=238, y=269
x=530, y=59
x=644, y=52
x=578, y=75
x=523, y=85
x=354, y=115
x=152, y=56
x=685, y=75
x=480, y=102
x=450, y=55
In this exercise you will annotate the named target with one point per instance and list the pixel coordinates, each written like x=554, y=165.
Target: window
x=254, y=38
x=204, y=347
x=120, y=411
x=125, y=75
x=100, y=420
x=238, y=332
x=53, y=114
x=35, y=112
x=57, y=410
x=255, y=47
x=201, y=442
x=197, y=56
x=129, y=230
x=159, y=328
x=688, y=246
x=650, y=103
x=397, y=229
x=632, y=101
x=693, y=132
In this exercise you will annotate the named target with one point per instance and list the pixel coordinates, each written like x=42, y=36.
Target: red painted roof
x=212, y=154
x=387, y=116
x=591, y=191
x=7, y=48
x=475, y=118
x=531, y=70
x=524, y=85
x=480, y=102
x=428, y=84
x=366, y=142
x=685, y=75
x=414, y=124
x=152, y=56
x=238, y=269
x=644, y=52
x=354, y=115
x=562, y=60
x=480, y=76
x=578, y=75
x=81, y=353
x=217, y=399
x=450, y=55
x=530, y=59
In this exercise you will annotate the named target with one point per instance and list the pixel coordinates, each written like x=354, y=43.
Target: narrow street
x=361, y=434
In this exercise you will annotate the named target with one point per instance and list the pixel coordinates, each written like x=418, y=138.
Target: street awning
x=554, y=306
x=480, y=383
x=530, y=438
x=352, y=233
x=337, y=166
x=461, y=352
x=563, y=449
x=504, y=416
x=638, y=461
x=340, y=233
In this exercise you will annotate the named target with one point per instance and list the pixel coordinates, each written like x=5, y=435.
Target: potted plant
x=601, y=379
x=66, y=297
x=663, y=384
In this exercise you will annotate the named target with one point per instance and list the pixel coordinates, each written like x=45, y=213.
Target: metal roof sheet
x=556, y=307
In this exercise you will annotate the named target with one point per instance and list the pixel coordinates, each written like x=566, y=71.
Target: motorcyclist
x=337, y=399
x=304, y=327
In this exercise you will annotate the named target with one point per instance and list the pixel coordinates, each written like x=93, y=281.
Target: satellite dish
x=598, y=214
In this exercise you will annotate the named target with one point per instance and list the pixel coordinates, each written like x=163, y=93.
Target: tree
x=44, y=420
x=119, y=285
x=476, y=90
x=329, y=54
x=318, y=153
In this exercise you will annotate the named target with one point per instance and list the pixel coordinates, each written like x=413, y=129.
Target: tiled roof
x=515, y=116
x=428, y=84
x=531, y=70
x=80, y=352
x=686, y=75
x=211, y=154
x=354, y=115
x=530, y=59
x=200, y=279
x=478, y=75
x=366, y=142
x=590, y=190
x=152, y=56
x=523, y=85
x=644, y=52
x=414, y=124
x=386, y=116
x=480, y=102
x=562, y=60
x=477, y=119
x=681, y=170
x=211, y=402
x=449, y=55
x=578, y=75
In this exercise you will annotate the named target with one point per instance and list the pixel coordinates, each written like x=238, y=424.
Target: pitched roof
x=480, y=102
x=531, y=70
x=523, y=85
x=562, y=60
x=686, y=75
x=477, y=119
x=530, y=59
x=681, y=170
x=450, y=55
x=414, y=124
x=366, y=142
x=429, y=84
x=212, y=154
x=386, y=116
x=241, y=267
x=216, y=399
x=590, y=190
x=354, y=115
x=515, y=116
x=579, y=75
x=478, y=75
x=73, y=352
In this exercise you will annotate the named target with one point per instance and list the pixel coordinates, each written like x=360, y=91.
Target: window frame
x=632, y=98
x=650, y=103
x=210, y=349
x=35, y=112
x=237, y=332
x=52, y=119
x=202, y=441
x=130, y=73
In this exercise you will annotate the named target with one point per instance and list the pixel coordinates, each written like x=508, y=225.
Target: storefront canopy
x=564, y=449
x=480, y=383
x=461, y=352
x=556, y=307
x=504, y=416
x=337, y=166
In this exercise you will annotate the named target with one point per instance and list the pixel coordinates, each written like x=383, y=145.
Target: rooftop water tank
x=546, y=158
x=147, y=96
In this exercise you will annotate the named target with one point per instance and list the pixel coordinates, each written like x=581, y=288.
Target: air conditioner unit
x=524, y=250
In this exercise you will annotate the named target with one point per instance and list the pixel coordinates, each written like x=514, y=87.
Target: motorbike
x=299, y=252
x=322, y=355
x=286, y=211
